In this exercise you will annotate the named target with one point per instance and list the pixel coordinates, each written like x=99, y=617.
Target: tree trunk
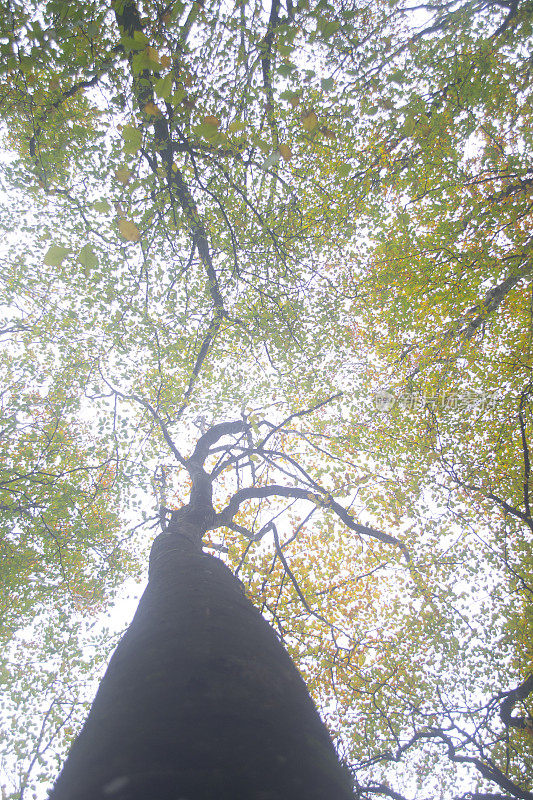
x=200, y=700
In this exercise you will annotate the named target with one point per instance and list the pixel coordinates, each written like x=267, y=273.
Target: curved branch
x=211, y=436
x=225, y=516
x=513, y=697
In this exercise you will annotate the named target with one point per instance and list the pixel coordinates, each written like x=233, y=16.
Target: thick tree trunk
x=200, y=701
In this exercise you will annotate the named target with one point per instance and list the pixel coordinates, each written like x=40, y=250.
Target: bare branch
x=162, y=425
x=294, y=582
x=295, y=415
x=225, y=516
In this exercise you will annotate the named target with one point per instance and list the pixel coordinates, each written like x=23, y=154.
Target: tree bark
x=200, y=700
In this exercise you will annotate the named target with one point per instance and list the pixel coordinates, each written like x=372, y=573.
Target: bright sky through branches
x=216, y=207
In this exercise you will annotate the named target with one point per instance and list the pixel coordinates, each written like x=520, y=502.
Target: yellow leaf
x=151, y=109
x=129, y=230
x=166, y=61
x=285, y=151
x=309, y=121
x=211, y=120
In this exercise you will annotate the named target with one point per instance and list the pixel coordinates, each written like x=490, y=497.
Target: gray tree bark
x=200, y=700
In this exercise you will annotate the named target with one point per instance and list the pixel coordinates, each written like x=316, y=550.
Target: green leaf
x=397, y=76
x=55, y=255
x=328, y=27
x=236, y=126
x=206, y=131
x=141, y=39
x=163, y=87
x=87, y=257
x=102, y=205
x=285, y=69
x=129, y=43
x=132, y=139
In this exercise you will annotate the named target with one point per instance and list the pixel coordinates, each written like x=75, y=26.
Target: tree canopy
x=311, y=220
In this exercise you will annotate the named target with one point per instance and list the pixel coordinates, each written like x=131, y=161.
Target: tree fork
x=200, y=700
